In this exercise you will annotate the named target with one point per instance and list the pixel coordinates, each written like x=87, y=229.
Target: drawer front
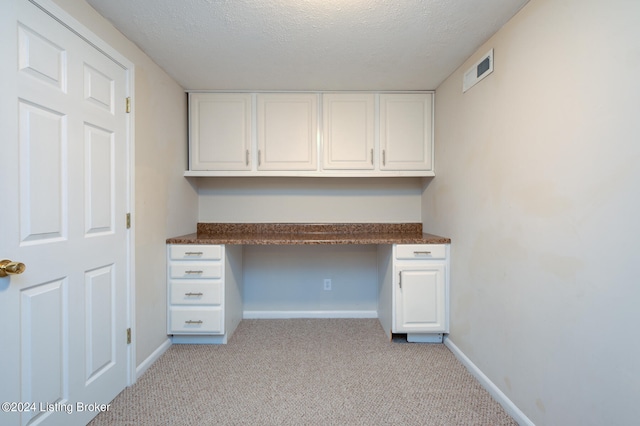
x=421, y=251
x=196, y=292
x=196, y=321
x=195, y=252
x=195, y=269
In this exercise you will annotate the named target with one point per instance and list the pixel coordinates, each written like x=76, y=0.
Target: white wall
x=290, y=278
x=537, y=185
x=310, y=200
x=165, y=202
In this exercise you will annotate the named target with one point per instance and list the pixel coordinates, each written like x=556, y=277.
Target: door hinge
x=129, y=336
x=128, y=105
x=128, y=220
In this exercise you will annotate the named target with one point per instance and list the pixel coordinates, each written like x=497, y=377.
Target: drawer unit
x=195, y=292
x=195, y=289
x=196, y=320
x=195, y=252
x=420, y=251
x=204, y=303
x=191, y=270
x=414, y=290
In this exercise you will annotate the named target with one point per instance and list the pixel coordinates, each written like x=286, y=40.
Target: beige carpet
x=306, y=372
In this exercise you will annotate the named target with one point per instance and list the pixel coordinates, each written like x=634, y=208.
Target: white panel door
x=220, y=131
x=287, y=131
x=64, y=181
x=406, y=131
x=348, y=131
x=420, y=304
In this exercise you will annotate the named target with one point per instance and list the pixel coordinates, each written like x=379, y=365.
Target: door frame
x=65, y=19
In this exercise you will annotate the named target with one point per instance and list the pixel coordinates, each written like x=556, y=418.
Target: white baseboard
x=308, y=314
x=178, y=339
x=155, y=355
x=495, y=392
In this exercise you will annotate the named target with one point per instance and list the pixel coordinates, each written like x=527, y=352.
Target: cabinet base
x=198, y=339
x=424, y=338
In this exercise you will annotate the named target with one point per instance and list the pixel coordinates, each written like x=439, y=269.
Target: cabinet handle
x=193, y=272
x=193, y=294
x=372, y=156
x=259, y=157
x=400, y=280
x=247, y=157
x=418, y=253
x=193, y=253
x=384, y=157
x=193, y=322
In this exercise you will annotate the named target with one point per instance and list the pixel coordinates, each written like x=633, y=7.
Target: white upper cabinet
x=220, y=131
x=406, y=131
x=287, y=130
x=348, y=131
x=311, y=134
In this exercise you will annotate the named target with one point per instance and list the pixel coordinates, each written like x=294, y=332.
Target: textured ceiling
x=308, y=44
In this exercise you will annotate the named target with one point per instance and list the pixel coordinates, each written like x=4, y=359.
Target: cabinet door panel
x=196, y=292
x=406, y=131
x=287, y=131
x=195, y=270
x=420, y=299
x=220, y=131
x=348, y=131
x=196, y=321
x=196, y=252
x=421, y=251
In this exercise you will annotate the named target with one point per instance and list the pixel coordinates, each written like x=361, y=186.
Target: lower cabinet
x=204, y=295
x=204, y=291
x=414, y=291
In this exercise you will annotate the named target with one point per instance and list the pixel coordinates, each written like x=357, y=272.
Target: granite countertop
x=305, y=233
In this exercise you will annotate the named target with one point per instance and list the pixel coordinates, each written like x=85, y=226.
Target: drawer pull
x=193, y=272
x=193, y=322
x=193, y=294
x=425, y=253
x=194, y=253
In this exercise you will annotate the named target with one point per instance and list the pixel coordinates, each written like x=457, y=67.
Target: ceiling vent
x=478, y=71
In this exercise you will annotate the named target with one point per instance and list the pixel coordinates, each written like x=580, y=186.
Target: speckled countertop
x=307, y=233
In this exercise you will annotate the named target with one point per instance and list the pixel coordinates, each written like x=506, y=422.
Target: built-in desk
x=205, y=275
x=294, y=233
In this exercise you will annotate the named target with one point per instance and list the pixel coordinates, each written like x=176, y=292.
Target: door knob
x=8, y=267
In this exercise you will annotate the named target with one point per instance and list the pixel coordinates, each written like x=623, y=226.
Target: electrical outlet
x=327, y=284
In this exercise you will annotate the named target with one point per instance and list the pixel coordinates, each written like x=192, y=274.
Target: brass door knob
x=7, y=267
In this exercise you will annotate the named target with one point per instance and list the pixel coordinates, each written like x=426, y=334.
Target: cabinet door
x=420, y=304
x=348, y=131
x=287, y=131
x=220, y=131
x=406, y=131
